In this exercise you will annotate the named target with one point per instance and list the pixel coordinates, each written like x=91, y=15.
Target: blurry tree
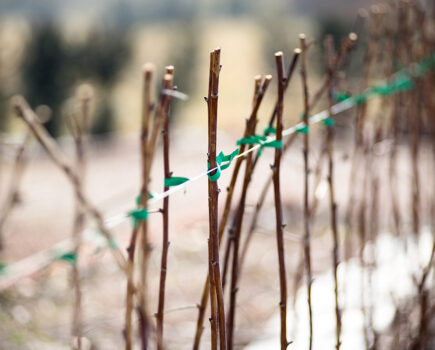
x=51, y=69
x=183, y=57
x=3, y=109
x=43, y=71
x=101, y=58
x=338, y=27
x=278, y=34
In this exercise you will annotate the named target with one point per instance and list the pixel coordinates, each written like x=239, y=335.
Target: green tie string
x=70, y=257
x=3, y=267
x=175, y=181
x=341, y=96
x=303, y=129
x=260, y=140
x=138, y=215
x=222, y=162
x=328, y=122
x=269, y=130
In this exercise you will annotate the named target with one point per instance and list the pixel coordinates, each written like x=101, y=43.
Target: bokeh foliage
x=52, y=68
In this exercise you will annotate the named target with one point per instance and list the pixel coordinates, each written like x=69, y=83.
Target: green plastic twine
x=251, y=140
x=341, y=96
x=2, y=268
x=360, y=99
x=175, y=181
x=303, y=116
x=269, y=130
x=222, y=162
x=402, y=83
x=139, y=198
x=260, y=140
x=137, y=215
x=70, y=257
x=271, y=144
x=304, y=129
x=328, y=122
x=426, y=65
x=112, y=243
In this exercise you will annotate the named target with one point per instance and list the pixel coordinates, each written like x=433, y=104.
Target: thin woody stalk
x=165, y=243
x=12, y=195
x=255, y=105
x=248, y=132
x=49, y=145
x=423, y=332
x=330, y=57
x=359, y=137
x=149, y=151
x=213, y=192
x=79, y=222
x=146, y=111
x=347, y=45
x=306, y=149
x=238, y=220
x=278, y=204
x=414, y=138
x=344, y=51
x=394, y=49
x=288, y=77
x=257, y=84
x=227, y=207
x=259, y=205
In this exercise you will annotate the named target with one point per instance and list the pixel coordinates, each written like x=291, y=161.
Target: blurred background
x=49, y=48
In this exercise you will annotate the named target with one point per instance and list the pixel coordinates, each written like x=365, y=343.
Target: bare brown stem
x=330, y=58
x=165, y=243
x=213, y=192
x=307, y=236
x=258, y=206
x=359, y=139
x=146, y=111
x=29, y=117
x=12, y=195
x=278, y=203
x=420, y=341
x=238, y=220
x=347, y=45
x=80, y=219
x=288, y=77
x=222, y=225
x=149, y=150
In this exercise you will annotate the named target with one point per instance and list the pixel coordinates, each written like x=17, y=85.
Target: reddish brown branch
x=306, y=149
x=146, y=111
x=222, y=225
x=149, y=149
x=49, y=145
x=278, y=203
x=12, y=196
x=347, y=45
x=248, y=131
x=288, y=77
x=259, y=205
x=213, y=191
x=238, y=220
x=80, y=219
x=330, y=58
x=165, y=238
